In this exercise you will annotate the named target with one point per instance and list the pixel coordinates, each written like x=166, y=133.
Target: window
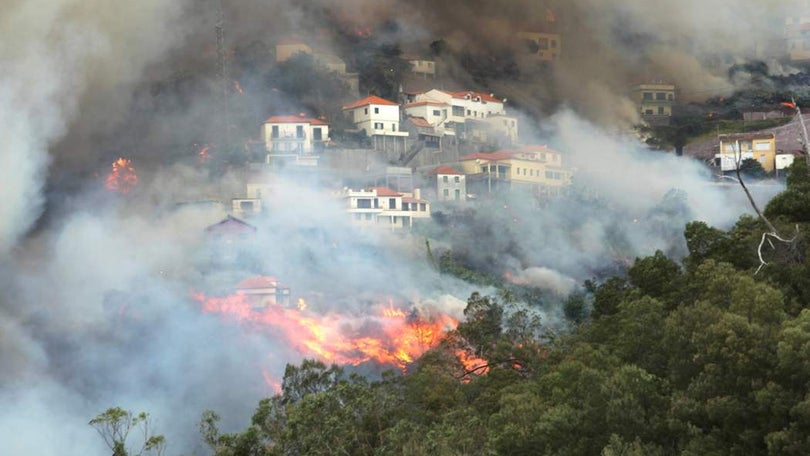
x=670, y=97
x=458, y=111
x=364, y=203
x=648, y=112
x=445, y=179
x=484, y=169
x=365, y=111
x=316, y=134
x=405, y=206
x=660, y=110
x=376, y=110
x=648, y=95
x=274, y=133
x=446, y=193
x=502, y=170
x=378, y=126
x=392, y=203
x=660, y=96
x=436, y=112
x=393, y=127
x=458, y=194
x=549, y=175
x=423, y=207
x=299, y=131
x=542, y=43
x=468, y=112
x=457, y=179
x=557, y=175
x=246, y=205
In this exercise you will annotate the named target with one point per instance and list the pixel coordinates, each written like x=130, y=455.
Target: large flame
x=122, y=178
x=386, y=335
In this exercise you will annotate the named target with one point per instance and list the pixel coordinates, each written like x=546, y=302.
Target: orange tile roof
x=483, y=96
x=445, y=170
x=497, y=155
x=370, y=100
x=420, y=122
x=423, y=103
x=385, y=191
x=295, y=119
x=257, y=282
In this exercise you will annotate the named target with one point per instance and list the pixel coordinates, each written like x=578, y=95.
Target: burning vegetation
x=122, y=177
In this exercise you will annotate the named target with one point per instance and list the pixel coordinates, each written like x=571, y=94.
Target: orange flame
x=122, y=178
x=387, y=336
x=203, y=154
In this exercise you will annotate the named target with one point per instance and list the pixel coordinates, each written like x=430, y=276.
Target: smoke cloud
x=97, y=308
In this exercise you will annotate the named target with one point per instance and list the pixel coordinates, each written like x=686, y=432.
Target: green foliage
x=793, y=204
x=752, y=169
x=115, y=425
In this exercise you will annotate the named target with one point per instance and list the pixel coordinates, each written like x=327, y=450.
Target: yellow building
x=287, y=49
x=654, y=101
x=740, y=146
x=539, y=167
x=546, y=45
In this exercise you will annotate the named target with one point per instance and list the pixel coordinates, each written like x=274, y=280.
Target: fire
x=203, y=154
x=238, y=87
x=386, y=335
x=122, y=178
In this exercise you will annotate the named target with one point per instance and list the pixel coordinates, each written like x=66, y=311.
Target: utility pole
x=222, y=80
x=805, y=144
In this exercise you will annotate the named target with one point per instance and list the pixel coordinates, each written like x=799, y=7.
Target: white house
x=375, y=115
x=451, y=185
x=452, y=110
x=383, y=207
x=294, y=138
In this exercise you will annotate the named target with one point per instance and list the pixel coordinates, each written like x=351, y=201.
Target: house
x=538, y=167
x=229, y=241
x=262, y=291
x=654, y=101
x=542, y=42
x=383, y=207
x=424, y=67
x=296, y=139
x=449, y=111
x=451, y=184
x=376, y=116
x=289, y=48
x=737, y=147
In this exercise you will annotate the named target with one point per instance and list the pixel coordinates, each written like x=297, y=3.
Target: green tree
x=115, y=425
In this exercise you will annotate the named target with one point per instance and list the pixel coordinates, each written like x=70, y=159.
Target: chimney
x=417, y=193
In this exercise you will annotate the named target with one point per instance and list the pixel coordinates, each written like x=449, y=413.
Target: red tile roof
x=257, y=282
x=483, y=96
x=370, y=100
x=385, y=191
x=497, y=155
x=420, y=122
x=423, y=103
x=295, y=119
x=445, y=170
